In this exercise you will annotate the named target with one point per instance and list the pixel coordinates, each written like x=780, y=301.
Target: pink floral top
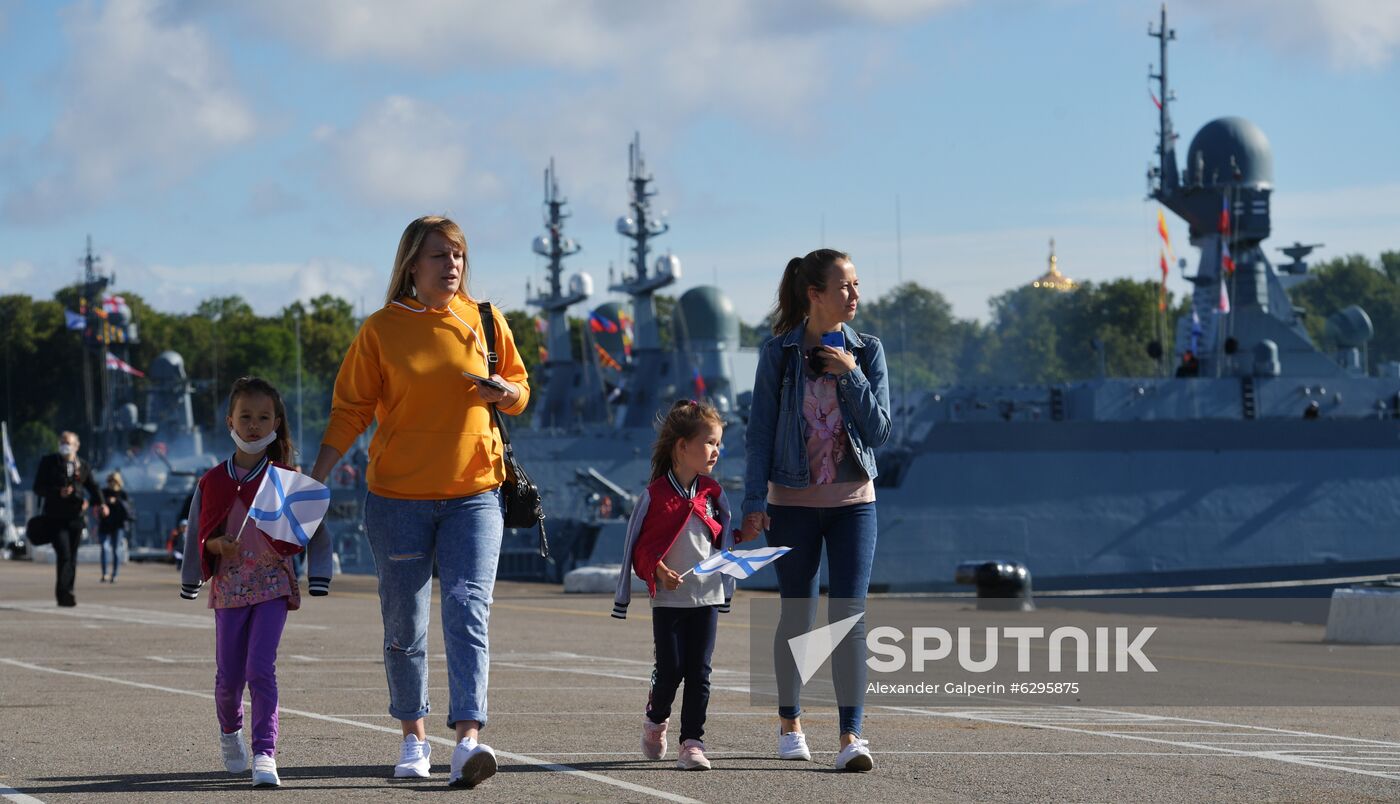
x=837, y=478
x=258, y=574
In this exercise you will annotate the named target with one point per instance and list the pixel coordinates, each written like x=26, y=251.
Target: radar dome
x=626, y=226
x=704, y=313
x=1209, y=160
x=669, y=265
x=581, y=284
x=543, y=245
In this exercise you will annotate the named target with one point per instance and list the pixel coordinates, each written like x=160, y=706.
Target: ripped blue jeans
x=463, y=535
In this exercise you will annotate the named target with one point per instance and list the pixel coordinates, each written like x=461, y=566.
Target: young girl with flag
x=681, y=519
x=252, y=583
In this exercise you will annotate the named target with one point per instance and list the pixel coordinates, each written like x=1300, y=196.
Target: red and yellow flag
x=605, y=359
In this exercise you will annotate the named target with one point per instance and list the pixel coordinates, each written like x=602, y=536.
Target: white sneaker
x=472, y=763
x=855, y=757
x=235, y=751
x=793, y=745
x=265, y=771
x=414, y=758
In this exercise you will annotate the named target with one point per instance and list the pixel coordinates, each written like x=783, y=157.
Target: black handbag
x=39, y=530
x=519, y=494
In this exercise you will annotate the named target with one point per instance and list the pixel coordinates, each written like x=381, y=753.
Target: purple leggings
x=245, y=652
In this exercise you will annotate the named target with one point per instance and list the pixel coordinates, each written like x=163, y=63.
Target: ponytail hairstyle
x=681, y=422
x=282, y=450
x=801, y=273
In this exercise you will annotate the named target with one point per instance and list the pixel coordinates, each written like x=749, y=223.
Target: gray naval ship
x=160, y=456
x=593, y=413
x=1264, y=466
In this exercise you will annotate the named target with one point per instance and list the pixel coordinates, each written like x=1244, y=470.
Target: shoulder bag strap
x=488, y=326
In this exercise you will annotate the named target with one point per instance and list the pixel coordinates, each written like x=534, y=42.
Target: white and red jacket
x=214, y=497
x=658, y=519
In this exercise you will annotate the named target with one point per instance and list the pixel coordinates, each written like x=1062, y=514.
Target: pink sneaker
x=693, y=756
x=654, y=739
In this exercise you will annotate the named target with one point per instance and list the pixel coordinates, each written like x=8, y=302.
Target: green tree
x=1349, y=280
x=923, y=341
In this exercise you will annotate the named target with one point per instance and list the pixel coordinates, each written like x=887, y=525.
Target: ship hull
x=1147, y=505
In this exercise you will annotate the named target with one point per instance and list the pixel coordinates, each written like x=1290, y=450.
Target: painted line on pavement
x=98, y=611
x=11, y=794
x=1107, y=717
x=395, y=730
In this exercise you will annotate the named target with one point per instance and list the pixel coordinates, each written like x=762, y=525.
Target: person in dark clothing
x=60, y=482
x=112, y=529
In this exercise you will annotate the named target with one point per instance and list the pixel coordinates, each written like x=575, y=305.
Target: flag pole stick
x=239, y=535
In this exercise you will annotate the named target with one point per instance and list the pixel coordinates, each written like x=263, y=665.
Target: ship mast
x=1164, y=179
x=639, y=227
x=96, y=341
x=554, y=246
x=648, y=368
x=559, y=365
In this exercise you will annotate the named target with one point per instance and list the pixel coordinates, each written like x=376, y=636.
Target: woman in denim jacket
x=819, y=412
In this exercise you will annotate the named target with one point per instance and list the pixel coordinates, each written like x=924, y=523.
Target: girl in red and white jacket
x=681, y=519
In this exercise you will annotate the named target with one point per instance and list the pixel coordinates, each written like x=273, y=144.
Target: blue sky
x=276, y=150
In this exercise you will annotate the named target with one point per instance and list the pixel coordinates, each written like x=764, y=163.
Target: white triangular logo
x=811, y=649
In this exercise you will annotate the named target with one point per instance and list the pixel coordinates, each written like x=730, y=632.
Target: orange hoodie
x=435, y=439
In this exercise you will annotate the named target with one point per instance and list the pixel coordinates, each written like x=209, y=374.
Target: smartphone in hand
x=837, y=339
x=486, y=381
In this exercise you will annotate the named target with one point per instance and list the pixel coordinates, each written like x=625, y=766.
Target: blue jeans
x=112, y=542
x=464, y=536
x=849, y=535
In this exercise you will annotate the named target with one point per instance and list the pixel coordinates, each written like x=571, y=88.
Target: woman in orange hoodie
x=434, y=478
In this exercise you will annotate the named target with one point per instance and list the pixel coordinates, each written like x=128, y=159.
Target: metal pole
x=298, y=329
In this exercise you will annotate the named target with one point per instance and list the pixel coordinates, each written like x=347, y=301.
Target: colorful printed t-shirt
x=259, y=573
x=836, y=477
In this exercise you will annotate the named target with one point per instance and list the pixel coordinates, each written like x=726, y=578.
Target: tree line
x=1031, y=336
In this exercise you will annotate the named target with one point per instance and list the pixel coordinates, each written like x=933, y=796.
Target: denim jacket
x=774, y=444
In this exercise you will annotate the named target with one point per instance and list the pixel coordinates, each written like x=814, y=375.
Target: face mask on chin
x=252, y=447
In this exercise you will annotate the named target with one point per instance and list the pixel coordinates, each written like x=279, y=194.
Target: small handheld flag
x=738, y=563
x=11, y=468
x=288, y=507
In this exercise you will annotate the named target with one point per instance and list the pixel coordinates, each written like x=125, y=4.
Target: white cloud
x=16, y=277
x=765, y=59
x=1348, y=34
x=404, y=152
x=146, y=99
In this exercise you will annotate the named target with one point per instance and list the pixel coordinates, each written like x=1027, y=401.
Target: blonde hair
x=683, y=421
x=401, y=281
x=114, y=480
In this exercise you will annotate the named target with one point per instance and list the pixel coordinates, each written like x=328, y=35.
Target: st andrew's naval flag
x=289, y=507
x=740, y=563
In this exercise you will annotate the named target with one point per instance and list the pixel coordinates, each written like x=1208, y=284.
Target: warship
x=1264, y=466
x=159, y=456
x=588, y=446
